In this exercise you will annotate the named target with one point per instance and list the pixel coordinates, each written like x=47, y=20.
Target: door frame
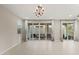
x=66, y=21
x=39, y=21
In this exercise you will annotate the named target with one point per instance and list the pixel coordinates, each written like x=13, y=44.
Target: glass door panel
x=49, y=30
x=36, y=32
x=39, y=31
x=68, y=31
x=33, y=30
x=42, y=32
x=30, y=32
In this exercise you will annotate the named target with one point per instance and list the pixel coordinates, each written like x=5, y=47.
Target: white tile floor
x=45, y=47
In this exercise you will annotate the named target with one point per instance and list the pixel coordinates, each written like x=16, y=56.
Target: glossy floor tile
x=45, y=47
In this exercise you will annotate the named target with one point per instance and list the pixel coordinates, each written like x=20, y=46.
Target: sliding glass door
x=67, y=30
x=39, y=31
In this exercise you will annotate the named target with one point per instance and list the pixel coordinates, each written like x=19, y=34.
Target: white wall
x=26, y=29
x=57, y=31
x=76, y=30
x=8, y=30
x=53, y=30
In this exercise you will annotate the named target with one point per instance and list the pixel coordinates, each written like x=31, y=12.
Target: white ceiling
x=54, y=11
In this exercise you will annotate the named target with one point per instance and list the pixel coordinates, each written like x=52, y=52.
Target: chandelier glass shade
x=39, y=11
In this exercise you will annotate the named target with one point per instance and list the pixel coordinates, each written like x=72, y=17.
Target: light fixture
x=39, y=11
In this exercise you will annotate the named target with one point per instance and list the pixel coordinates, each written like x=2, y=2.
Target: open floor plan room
x=39, y=29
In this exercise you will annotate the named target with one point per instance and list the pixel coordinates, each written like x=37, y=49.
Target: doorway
x=67, y=30
x=39, y=31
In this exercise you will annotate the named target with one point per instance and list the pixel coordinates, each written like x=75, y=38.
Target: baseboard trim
x=9, y=48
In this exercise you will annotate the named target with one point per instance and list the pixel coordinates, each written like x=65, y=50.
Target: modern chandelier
x=39, y=11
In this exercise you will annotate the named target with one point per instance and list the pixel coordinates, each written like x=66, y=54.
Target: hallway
x=45, y=47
